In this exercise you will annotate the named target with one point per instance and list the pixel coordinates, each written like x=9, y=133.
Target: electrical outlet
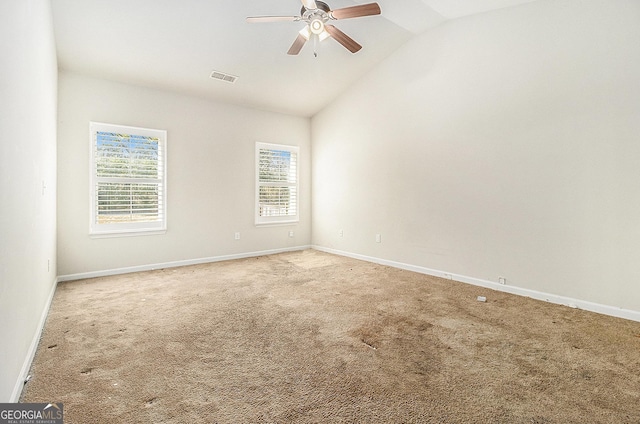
x=290, y=233
x=48, y=265
x=341, y=233
x=237, y=236
x=378, y=238
x=502, y=280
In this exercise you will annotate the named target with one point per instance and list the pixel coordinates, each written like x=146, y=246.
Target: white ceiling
x=176, y=44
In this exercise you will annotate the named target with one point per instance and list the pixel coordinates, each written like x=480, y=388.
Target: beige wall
x=28, y=78
x=500, y=145
x=210, y=171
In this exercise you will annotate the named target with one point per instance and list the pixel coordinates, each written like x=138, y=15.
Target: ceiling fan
x=316, y=14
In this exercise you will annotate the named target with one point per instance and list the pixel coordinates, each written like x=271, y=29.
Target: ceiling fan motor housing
x=322, y=6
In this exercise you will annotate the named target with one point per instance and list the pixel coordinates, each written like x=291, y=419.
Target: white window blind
x=277, y=183
x=128, y=179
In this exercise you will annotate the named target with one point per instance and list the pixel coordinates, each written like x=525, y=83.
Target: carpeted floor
x=309, y=337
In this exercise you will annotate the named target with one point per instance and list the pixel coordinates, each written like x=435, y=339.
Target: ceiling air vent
x=223, y=77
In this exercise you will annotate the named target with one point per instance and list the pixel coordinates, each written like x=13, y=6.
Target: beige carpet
x=308, y=337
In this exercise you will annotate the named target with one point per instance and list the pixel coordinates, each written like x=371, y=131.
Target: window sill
x=136, y=233
x=276, y=224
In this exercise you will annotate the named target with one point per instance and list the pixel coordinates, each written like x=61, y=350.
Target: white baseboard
x=552, y=298
x=173, y=264
x=31, y=353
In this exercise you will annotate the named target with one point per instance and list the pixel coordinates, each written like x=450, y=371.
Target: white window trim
x=276, y=220
x=125, y=229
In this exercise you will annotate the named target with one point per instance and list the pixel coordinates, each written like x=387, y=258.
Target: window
x=276, y=184
x=128, y=180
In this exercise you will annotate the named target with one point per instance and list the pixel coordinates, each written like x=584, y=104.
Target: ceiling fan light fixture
x=316, y=26
x=306, y=32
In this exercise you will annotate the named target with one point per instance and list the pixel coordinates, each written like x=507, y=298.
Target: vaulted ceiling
x=175, y=45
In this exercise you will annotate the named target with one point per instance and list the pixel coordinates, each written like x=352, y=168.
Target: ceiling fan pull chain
x=315, y=45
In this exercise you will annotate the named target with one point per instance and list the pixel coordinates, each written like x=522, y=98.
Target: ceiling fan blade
x=356, y=11
x=343, y=38
x=297, y=45
x=309, y=4
x=254, y=19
